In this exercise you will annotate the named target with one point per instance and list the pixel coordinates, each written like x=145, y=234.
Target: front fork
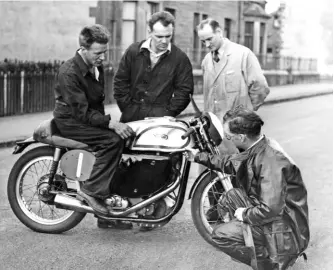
x=225, y=179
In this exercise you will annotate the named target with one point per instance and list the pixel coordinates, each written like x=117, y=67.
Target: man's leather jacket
x=274, y=183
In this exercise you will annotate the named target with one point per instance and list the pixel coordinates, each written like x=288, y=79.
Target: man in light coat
x=232, y=75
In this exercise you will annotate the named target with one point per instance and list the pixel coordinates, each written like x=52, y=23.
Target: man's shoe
x=114, y=224
x=146, y=229
x=94, y=203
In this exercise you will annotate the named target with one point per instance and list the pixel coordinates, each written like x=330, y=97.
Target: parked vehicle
x=152, y=176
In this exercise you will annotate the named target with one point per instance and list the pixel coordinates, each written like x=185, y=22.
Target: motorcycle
x=151, y=179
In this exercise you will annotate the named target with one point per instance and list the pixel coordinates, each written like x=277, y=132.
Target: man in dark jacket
x=270, y=196
x=154, y=77
x=79, y=114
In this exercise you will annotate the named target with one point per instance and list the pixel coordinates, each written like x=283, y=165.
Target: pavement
x=20, y=127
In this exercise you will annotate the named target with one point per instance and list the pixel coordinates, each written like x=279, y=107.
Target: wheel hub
x=43, y=188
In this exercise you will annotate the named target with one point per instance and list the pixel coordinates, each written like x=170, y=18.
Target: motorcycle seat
x=48, y=133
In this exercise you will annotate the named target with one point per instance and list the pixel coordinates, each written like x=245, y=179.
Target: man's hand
x=238, y=213
x=123, y=130
x=192, y=153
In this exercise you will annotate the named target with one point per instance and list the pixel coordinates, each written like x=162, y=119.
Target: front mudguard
x=21, y=145
x=204, y=174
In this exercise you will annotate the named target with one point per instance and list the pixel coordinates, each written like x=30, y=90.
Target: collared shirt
x=79, y=95
x=220, y=50
x=261, y=137
x=154, y=56
x=93, y=70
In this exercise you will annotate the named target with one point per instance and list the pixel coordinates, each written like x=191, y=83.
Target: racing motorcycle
x=150, y=181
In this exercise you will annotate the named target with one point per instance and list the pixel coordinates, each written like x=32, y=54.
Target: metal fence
x=269, y=62
x=22, y=92
x=29, y=92
x=26, y=93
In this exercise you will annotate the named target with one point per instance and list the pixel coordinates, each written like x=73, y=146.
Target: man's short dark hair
x=213, y=23
x=243, y=121
x=94, y=33
x=165, y=17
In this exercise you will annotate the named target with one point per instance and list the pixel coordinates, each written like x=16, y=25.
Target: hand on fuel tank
x=123, y=130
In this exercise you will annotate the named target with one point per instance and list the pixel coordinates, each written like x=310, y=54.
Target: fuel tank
x=159, y=134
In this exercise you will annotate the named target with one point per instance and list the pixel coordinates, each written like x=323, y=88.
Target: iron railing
x=267, y=61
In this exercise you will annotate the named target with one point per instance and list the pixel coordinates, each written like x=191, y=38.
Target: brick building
x=275, y=28
x=244, y=22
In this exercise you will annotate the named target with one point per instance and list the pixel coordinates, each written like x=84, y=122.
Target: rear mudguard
x=20, y=146
x=198, y=180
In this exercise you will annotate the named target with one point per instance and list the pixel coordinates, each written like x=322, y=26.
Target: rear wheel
x=35, y=209
x=204, y=205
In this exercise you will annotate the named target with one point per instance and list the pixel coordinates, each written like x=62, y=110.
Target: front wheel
x=204, y=205
x=38, y=212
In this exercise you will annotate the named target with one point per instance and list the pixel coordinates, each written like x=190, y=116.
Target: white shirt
x=220, y=51
x=261, y=137
x=93, y=69
x=154, y=56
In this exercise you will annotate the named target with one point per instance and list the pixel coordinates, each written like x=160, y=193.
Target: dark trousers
x=230, y=238
x=108, y=146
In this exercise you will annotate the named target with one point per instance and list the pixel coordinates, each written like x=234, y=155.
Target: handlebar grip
x=188, y=133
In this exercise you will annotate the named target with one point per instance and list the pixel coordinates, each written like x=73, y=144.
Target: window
x=227, y=28
x=112, y=46
x=196, y=41
x=262, y=33
x=129, y=24
x=249, y=34
x=154, y=7
x=203, y=48
x=172, y=11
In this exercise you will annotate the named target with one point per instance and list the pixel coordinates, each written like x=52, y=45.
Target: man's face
x=211, y=39
x=236, y=139
x=161, y=36
x=95, y=55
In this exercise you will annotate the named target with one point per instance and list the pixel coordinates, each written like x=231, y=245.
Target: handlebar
x=188, y=133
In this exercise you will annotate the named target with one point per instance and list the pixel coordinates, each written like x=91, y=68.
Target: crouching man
x=269, y=198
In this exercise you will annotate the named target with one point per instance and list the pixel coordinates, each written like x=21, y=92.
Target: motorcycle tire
x=21, y=208
x=197, y=212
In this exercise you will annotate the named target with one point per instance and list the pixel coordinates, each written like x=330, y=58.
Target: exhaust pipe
x=69, y=203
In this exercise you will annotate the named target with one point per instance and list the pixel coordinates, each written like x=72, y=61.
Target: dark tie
x=215, y=56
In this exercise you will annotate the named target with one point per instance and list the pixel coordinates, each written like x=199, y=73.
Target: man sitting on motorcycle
x=79, y=114
x=270, y=197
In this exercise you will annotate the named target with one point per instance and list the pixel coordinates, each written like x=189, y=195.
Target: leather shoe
x=94, y=203
x=146, y=229
x=114, y=224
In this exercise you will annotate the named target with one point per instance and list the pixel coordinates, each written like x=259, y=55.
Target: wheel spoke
x=210, y=203
x=32, y=177
x=29, y=203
